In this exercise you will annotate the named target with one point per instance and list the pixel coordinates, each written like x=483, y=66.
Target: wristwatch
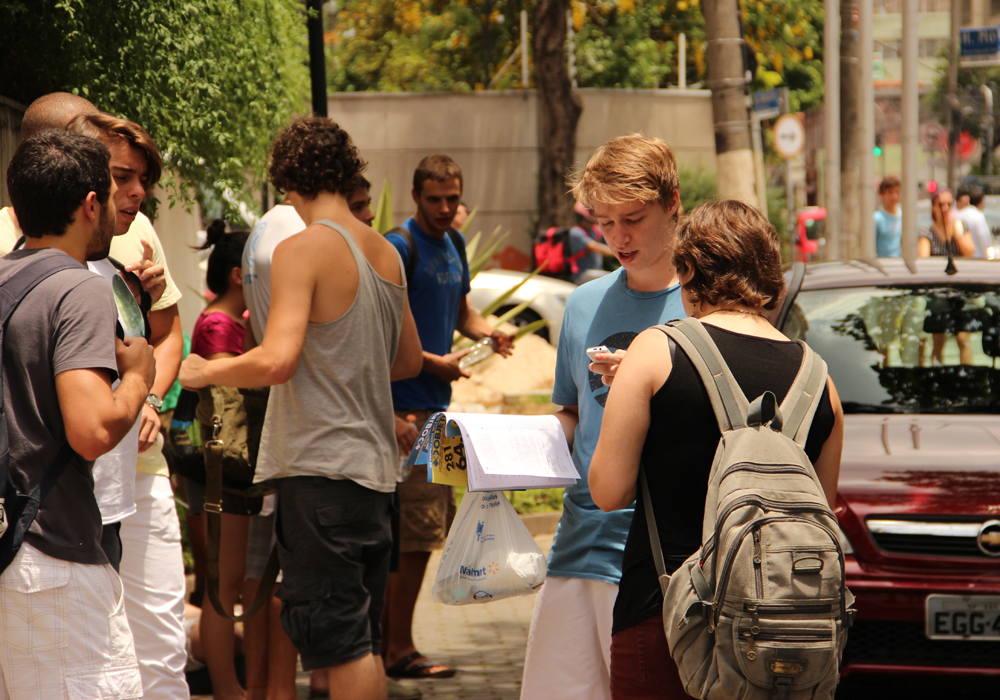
x=154, y=401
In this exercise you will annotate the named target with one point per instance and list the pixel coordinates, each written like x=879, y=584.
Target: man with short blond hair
x=631, y=186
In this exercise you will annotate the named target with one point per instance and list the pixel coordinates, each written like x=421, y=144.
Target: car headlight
x=845, y=542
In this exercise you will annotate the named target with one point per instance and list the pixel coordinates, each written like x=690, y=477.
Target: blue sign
x=980, y=41
x=767, y=101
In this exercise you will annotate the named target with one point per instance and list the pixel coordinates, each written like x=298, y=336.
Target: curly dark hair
x=733, y=253
x=314, y=155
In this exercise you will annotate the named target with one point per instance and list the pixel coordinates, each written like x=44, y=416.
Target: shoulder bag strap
x=654, y=534
x=803, y=397
x=213, y=511
x=728, y=401
x=12, y=292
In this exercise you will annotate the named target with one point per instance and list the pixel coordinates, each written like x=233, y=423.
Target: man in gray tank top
x=339, y=330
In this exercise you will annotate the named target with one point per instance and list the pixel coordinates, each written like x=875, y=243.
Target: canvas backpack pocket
x=797, y=653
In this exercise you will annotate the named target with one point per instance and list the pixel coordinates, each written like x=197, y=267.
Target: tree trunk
x=850, y=157
x=560, y=112
x=733, y=147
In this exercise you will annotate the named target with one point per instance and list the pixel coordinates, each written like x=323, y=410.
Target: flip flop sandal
x=408, y=667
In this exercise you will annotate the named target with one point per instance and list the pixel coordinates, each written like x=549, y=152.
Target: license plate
x=970, y=617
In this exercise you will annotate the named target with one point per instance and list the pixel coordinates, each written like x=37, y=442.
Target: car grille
x=905, y=644
x=927, y=538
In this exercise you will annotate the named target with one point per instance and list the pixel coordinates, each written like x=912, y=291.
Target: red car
x=913, y=352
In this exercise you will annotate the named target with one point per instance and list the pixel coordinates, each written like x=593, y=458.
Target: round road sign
x=789, y=136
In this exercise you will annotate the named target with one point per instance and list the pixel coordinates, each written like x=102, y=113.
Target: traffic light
x=877, y=151
x=932, y=187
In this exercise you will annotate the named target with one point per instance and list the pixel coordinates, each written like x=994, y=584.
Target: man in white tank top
x=337, y=333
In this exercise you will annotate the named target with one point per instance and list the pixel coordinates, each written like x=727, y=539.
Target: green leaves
x=211, y=80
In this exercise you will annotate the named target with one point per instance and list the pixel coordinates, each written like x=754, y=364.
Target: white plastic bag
x=489, y=554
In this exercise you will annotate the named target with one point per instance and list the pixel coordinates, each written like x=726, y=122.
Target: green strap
x=213, y=510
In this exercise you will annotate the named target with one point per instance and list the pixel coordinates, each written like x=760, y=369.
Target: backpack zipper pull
x=755, y=629
x=756, y=547
x=751, y=645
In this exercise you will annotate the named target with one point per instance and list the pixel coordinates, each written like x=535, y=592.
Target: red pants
x=641, y=666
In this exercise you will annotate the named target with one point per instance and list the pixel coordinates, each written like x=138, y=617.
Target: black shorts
x=334, y=541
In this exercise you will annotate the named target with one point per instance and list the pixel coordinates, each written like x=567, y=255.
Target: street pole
x=850, y=248
x=682, y=78
x=317, y=56
x=990, y=123
x=524, y=49
x=910, y=108
x=831, y=128
x=866, y=132
x=954, y=123
x=730, y=112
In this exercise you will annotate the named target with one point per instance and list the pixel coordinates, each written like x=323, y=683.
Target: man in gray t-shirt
x=63, y=622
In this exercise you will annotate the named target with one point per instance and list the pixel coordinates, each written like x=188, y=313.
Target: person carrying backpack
x=660, y=414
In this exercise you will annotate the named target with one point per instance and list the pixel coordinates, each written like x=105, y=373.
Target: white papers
x=513, y=452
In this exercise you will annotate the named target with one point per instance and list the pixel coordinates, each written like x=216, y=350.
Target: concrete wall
x=494, y=136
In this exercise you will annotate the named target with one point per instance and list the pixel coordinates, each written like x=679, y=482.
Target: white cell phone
x=592, y=352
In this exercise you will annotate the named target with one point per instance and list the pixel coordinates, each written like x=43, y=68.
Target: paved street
x=486, y=644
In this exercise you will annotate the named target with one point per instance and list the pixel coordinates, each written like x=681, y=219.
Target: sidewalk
x=484, y=642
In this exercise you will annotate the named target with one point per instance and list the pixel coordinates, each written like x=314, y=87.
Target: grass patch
x=524, y=502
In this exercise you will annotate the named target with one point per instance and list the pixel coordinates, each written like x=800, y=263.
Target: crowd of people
x=336, y=342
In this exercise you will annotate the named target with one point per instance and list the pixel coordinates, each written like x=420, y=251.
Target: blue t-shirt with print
x=439, y=284
x=589, y=543
x=888, y=234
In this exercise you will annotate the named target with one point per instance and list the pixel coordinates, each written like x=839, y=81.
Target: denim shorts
x=334, y=541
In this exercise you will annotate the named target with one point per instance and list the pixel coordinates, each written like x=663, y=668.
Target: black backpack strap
x=12, y=292
x=459, y=241
x=411, y=250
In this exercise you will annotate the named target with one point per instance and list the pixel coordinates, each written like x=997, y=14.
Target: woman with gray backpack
x=728, y=435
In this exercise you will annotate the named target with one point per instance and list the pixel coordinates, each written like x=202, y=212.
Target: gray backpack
x=761, y=610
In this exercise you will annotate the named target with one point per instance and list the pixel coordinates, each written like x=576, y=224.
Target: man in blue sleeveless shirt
x=631, y=186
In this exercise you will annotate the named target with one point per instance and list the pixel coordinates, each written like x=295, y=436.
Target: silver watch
x=154, y=401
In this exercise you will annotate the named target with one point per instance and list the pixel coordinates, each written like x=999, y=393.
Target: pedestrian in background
x=437, y=294
x=889, y=219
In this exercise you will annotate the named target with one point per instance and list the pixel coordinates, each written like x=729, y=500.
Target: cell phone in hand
x=592, y=352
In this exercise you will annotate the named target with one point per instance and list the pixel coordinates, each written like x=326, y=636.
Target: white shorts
x=64, y=632
x=153, y=574
x=569, y=644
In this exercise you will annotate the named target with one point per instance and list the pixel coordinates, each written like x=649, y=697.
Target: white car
x=546, y=294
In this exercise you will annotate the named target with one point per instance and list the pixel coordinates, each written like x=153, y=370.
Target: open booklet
x=491, y=452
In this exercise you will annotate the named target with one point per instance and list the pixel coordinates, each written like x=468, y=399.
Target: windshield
x=929, y=349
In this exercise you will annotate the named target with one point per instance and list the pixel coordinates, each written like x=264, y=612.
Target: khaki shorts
x=426, y=510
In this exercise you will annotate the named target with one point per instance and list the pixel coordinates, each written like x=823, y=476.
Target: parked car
x=547, y=297
x=913, y=353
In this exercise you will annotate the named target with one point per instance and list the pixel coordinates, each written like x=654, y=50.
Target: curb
x=541, y=523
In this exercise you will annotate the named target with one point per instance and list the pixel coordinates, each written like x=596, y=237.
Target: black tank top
x=679, y=451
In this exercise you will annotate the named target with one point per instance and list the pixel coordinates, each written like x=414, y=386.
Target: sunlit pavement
x=486, y=644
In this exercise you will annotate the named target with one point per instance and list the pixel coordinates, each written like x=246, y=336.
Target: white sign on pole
x=789, y=136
